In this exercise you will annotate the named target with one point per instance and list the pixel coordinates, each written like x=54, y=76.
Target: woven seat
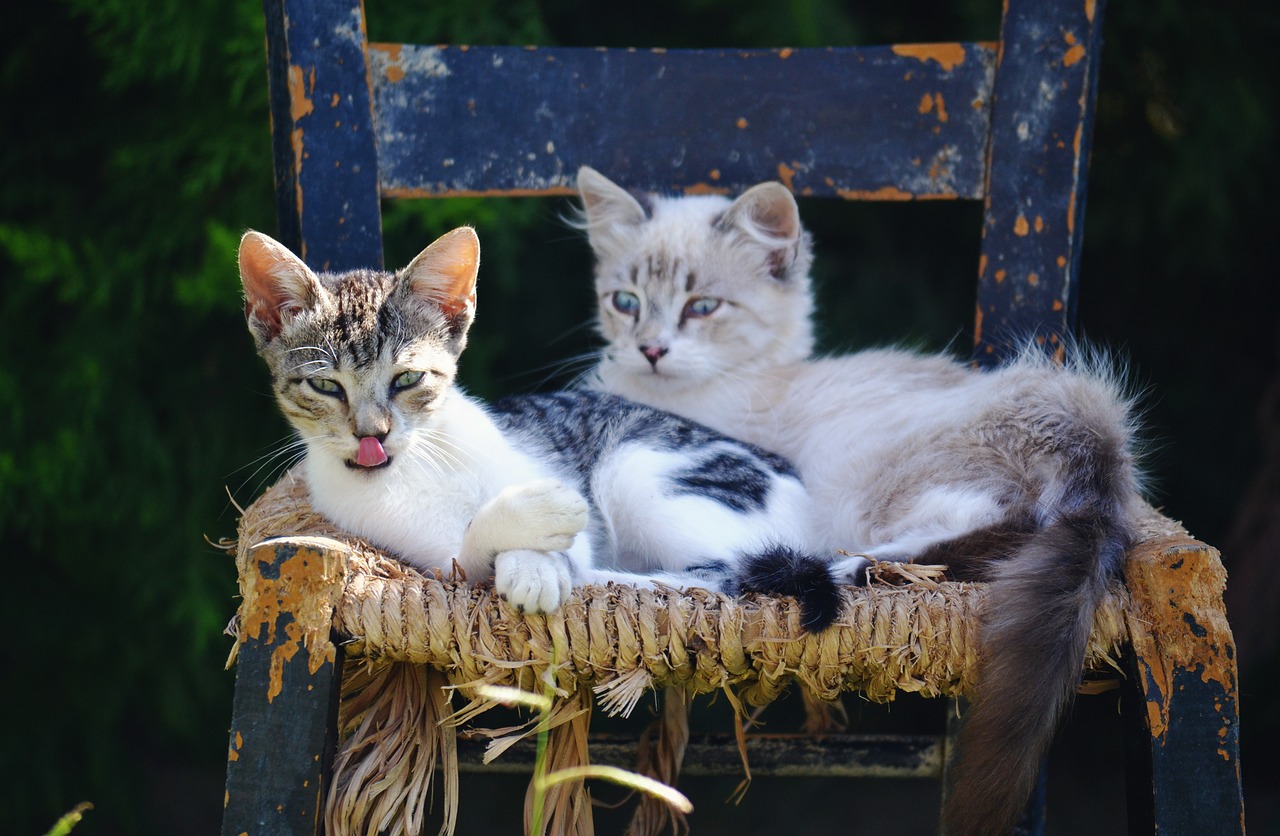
x=903, y=632
x=913, y=635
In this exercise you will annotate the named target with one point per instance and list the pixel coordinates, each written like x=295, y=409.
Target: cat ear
x=768, y=215
x=606, y=208
x=766, y=212
x=444, y=274
x=277, y=285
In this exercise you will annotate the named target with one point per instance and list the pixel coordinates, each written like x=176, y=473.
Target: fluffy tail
x=1040, y=610
x=780, y=570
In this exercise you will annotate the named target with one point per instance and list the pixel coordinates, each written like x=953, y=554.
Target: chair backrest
x=1008, y=123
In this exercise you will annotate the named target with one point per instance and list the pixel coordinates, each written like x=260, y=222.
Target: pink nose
x=653, y=353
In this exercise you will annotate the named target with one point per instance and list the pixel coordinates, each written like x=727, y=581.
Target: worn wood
x=1041, y=130
x=1183, y=741
x=878, y=122
x=323, y=144
x=284, y=713
x=831, y=755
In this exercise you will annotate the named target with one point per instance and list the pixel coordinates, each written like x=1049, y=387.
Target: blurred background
x=135, y=413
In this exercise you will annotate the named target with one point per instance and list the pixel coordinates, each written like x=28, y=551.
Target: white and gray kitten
x=543, y=492
x=1023, y=476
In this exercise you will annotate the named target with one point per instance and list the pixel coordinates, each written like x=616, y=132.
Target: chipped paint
x=1020, y=226
x=301, y=86
x=742, y=123
x=290, y=605
x=786, y=174
x=396, y=61
x=882, y=193
x=1073, y=55
x=705, y=188
x=931, y=101
x=443, y=190
x=1000, y=276
x=1039, y=224
x=784, y=53
x=714, y=174
x=948, y=56
x=1179, y=579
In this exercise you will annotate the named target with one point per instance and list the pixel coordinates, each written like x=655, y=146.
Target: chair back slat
x=873, y=123
x=326, y=158
x=1042, y=126
x=1009, y=124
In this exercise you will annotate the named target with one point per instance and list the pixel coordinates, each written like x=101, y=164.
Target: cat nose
x=653, y=353
x=379, y=433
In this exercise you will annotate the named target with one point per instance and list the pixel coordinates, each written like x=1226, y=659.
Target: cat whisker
x=274, y=462
x=582, y=366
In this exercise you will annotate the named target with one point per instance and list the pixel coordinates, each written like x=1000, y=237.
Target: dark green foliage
x=137, y=149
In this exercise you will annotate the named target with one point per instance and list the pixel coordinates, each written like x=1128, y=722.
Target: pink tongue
x=371, y=453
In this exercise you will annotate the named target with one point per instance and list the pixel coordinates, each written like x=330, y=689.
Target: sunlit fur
x=543, y=493
x=1023, y=476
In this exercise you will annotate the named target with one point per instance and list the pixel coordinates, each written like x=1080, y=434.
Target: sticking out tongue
x=371, y=453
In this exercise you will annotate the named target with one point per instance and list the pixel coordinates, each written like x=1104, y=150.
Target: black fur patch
x=780, y=570
x=731, y=479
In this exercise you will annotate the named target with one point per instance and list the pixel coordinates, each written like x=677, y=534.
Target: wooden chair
x=1008, y=123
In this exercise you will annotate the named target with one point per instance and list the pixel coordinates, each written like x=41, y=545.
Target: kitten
x=1023, y=476
x=541, y=492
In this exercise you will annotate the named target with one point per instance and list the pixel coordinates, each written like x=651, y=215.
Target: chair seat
x=904, y=631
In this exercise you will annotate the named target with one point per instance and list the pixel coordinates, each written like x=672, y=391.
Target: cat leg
x=937, y=516
x=540, y=516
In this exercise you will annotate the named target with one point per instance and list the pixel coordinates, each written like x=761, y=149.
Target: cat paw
x=532, y=581
x=851, y=570
x=541, y=516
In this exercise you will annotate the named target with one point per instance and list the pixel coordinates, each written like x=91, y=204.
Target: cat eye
x=325, y=386
x=406, y=380
x=700, y=307
x=626, y=302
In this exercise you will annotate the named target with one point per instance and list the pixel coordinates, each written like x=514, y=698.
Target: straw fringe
x=660, y=757
x=907, y=630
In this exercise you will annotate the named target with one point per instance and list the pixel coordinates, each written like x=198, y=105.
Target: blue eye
x=406, y=380
x=626, y=302
x=700, y=307
x=325, y=386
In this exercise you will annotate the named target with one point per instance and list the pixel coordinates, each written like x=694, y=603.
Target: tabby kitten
x=540, y=492
x=1023, y=476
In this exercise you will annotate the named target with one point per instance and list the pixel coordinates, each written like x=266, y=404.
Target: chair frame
x=1008, y=123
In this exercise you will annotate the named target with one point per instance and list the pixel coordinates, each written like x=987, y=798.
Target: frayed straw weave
x=902, y=632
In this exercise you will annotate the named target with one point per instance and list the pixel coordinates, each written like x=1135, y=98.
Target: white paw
x=541, y=516
x=851, y=570
x=532, y=581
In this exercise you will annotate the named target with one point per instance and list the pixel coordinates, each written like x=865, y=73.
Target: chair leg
x=1180, y=702
x=288, y=679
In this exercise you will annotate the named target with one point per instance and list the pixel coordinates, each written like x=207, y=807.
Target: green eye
x=406, y=380
x=325, y=386
x=700, y=307
x=626, y=302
